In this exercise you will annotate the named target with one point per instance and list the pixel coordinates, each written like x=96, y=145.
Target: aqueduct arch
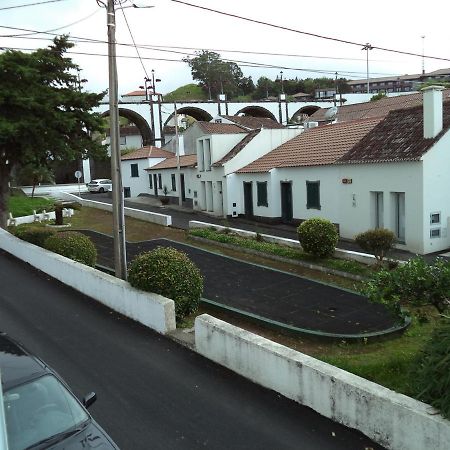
x=256, y=111
x=304, y=111
x=148, y=136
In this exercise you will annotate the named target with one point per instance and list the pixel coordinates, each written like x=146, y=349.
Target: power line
x=293, y=30
x=31, y=4
x=241, y=62
x=53, y=29
x=132, y=38
x=348, y=74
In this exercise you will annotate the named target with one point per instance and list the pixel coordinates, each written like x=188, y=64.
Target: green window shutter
x=313, y=194
x=134, y=170
x=261, y=189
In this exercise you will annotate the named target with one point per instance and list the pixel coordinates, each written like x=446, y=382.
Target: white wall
x=138, y=185
x=393, y=420
x=436, y=194
x=152, y=310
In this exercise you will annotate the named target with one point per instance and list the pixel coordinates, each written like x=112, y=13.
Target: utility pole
x=367, y=47
x=177, y=148
x=120, y=259
x=423, y=55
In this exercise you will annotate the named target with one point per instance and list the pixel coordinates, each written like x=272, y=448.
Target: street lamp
x=367, y=47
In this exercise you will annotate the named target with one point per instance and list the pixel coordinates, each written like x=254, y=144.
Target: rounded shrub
x=432, y=370
x=377, y=242
x=73, y=245
x=168, y=272
x=34, y=235
x=318, y=237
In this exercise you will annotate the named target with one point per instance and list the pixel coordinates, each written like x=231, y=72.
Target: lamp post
x=367, y=47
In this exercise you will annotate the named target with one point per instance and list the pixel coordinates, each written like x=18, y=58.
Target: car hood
x=91, y=437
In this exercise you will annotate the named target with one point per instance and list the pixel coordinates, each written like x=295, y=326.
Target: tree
x=44, y=115
x=33, y=173
x=216, y=75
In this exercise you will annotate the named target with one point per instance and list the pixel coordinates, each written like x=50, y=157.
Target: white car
x=99, y=185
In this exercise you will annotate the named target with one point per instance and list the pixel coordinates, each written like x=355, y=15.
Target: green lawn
x=24, y=206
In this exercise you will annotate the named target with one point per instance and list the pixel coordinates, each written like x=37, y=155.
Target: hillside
x=186, y=92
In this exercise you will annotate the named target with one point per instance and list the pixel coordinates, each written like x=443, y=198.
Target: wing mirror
x=89, y=399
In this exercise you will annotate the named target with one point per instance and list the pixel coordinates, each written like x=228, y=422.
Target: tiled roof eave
x=374, y=161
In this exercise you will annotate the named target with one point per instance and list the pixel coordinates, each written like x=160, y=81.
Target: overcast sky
x=397, y=25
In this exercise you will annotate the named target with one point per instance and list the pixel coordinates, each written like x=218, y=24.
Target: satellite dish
x=331, y=113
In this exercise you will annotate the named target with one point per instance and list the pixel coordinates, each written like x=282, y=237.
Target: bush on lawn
x=318, y=237
x=377, y=242
x=414, y=283
x=73, y=245
x=432, y=370
x=34, y=235
x=168, y=272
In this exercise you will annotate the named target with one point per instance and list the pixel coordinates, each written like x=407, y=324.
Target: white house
x=129, y=138
x=135, y=179
x=391, y=171
x=165, y=175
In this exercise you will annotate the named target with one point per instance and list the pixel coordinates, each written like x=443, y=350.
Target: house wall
x=261, y=144
x=138, y=185
x=436, y=194
x=166, y=178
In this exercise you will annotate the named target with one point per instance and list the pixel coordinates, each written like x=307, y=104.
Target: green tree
x=216, y=75
x=44, y=116
x=34, y=173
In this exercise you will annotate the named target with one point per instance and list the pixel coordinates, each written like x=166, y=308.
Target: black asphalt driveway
x=153, y=393
x=268, y=293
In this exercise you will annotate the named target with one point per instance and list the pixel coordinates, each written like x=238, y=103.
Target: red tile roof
x=399, y=137
x=220, y=128
x=254, y=123
x=147, y=152
x=135, y=94
x=171, y=163
x=316, y=146
x=128, y=130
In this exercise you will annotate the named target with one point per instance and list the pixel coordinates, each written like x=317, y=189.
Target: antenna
x=331, y=113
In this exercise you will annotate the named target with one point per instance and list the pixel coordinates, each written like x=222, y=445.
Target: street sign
x=78, y=174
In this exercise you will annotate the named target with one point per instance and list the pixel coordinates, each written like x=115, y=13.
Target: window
x=150, y=181
x=207, y=148
x=174, y=183
x=134, y=170
x=159, y=181
x=435, y=233
x=313, y=194
x=399, y=215
x=200, y=157
x=122, y=140
x=435, y=218
x=261, y=190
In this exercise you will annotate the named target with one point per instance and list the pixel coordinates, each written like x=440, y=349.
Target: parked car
x=99, y=185
x=40, y=410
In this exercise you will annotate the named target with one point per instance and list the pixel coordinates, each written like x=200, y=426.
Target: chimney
x=432, y=111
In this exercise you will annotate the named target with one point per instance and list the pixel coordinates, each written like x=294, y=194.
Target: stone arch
x=148, y=136
x=304, y=111
x=196, y=113
x=256, y=111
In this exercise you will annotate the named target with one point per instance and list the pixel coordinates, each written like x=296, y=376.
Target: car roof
x=16, y=364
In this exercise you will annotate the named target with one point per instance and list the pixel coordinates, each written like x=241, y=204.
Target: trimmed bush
x=34, y=235
x=377, y=242
x=73, y=245
x=168, y=272
x=433, y=370
x=318, y=237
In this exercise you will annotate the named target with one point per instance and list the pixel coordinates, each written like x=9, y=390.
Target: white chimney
x=432, y=111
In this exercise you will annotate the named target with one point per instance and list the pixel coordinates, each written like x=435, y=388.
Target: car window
x=105, y=182
x=38, y=410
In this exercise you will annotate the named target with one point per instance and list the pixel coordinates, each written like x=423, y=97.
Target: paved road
x=153, y=393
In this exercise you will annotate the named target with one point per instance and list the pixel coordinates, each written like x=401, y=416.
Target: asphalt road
x=152, y=392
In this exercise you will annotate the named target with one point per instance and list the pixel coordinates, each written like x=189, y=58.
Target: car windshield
x=38, y=410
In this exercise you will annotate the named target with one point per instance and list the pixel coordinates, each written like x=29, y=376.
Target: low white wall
x=338, y=253
x=39, y=217
x=152, y=310
x=393, y=420
x=147, y=216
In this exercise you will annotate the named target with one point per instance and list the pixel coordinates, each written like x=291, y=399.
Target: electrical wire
x=31, y=4
x=132, y=38
x=53, y=29
x=293, y=30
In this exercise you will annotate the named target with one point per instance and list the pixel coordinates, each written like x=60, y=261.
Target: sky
x=396, y=25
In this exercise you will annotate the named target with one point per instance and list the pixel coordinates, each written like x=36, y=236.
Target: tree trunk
x=4, y=195
x=59, y=216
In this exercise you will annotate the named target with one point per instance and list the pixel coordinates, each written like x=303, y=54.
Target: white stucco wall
x=138, y=185
x=436, y=194
x=166, y=178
